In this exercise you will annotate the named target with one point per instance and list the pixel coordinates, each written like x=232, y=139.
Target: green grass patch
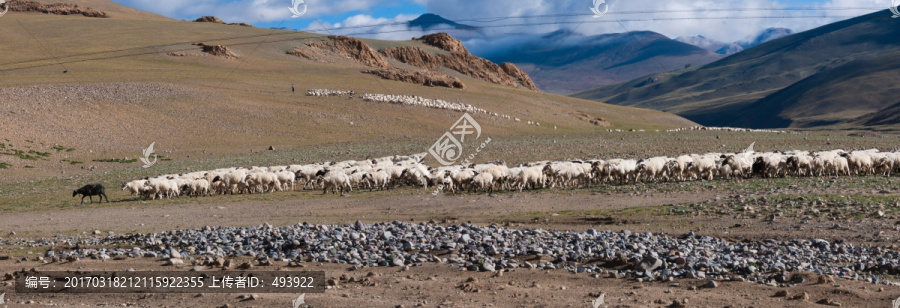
x=39, y=153
x=4, y=165
x=116, y=160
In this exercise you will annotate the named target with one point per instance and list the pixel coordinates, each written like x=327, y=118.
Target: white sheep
x=335, y=180
x=482, y=181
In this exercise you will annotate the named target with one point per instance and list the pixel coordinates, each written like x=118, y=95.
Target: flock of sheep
x=393, y=171
x=727, y=129
x=409, y=100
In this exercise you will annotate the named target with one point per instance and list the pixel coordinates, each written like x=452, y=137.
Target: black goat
x=91, y=190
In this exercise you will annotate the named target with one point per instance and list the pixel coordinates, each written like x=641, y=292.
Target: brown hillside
x=114, y=95
x=426, y=78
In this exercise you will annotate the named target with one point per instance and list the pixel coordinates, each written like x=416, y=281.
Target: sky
x=724, y=20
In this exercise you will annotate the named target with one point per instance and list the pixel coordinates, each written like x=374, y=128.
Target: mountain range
x=843, y=74
x=567, y=62
x=430, y=21
x=723, y=48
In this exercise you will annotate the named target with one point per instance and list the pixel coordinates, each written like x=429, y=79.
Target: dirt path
x=151, y=216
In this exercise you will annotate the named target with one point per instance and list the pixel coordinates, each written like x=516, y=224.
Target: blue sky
x=728, y=21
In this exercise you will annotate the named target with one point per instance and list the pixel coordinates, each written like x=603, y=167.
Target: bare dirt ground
x=441, y=285
x=446, y=285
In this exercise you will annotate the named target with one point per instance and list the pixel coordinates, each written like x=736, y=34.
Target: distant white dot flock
x=727, y=129
x=410, y=100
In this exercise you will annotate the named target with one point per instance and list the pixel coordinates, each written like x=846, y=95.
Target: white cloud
x=249, y=11
x=692, y=17
x=716, y=19
x=372, y=27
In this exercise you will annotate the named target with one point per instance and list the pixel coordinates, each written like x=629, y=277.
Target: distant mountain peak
x=429, y=21
x=764, y=36
x=702, y=42
x=735, y=47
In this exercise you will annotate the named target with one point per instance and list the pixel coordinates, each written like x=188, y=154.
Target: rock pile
x=472, y=247
x=212, y=19
x=217, y=50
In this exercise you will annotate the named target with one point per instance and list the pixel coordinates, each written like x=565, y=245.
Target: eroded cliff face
x=427, y=78
x=444, y=41
x=462, y=61
x=458, y=59
x=414, y=56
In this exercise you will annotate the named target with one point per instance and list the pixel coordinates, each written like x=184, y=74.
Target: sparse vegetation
x=116, y=160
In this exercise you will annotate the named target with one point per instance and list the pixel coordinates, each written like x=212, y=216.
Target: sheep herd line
x=409, y=100
x=395, y=171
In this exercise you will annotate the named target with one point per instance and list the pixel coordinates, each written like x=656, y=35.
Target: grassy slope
x=226, y=106
x=835, y=96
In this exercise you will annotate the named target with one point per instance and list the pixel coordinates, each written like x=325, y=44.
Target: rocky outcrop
x=346, y=46
x=217, y=50
x=515, y=72
x=444, y=41
x=216, y=20
x=55, y=8
x=212, y=19
x=414, y=56
x=479, y=68
x=305, y=53
x=427, y=78
x=461, y=61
